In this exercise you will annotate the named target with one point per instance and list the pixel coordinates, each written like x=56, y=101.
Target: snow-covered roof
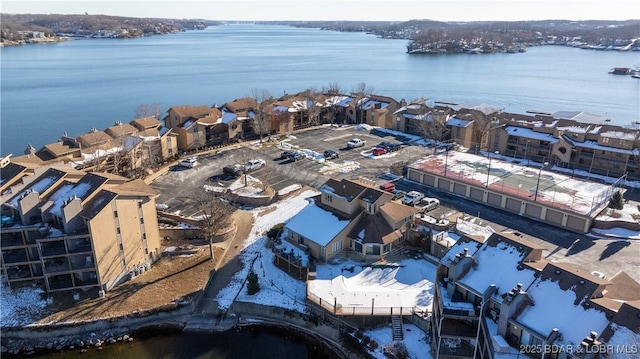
x=341, y=101
x=529, y=133
x=620, y=135
x=456, y=122
x=187, y=124
x=555, y=308
x=368, y=103
x=596, y=146
x=462, y=244
x=497, y=265
x=574, y=129
x=580, y=116
x=39, y=186
x=228, y=117
x=411, y=116
x=316, y=224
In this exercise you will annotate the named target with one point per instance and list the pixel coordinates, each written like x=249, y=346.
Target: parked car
x=296, y=156
x=188, y=162
x=389, y=186
x=286, y=154
x=412, y=198
x=428, y=204
x=389, y=146
x=378, y=151
x=356, y=142
x=233, y=170
x=398, y=194
x=331, y=154
x=253, y=165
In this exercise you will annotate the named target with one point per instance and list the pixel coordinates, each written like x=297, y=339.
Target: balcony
x=51, y=249
x=458, y=328
x=450, y=349
x=56, y=265
x=85, y=279
x=18, y=272
x=14, y=256
x=60, y=282
x=12, y=239
x=79, y=262
x=79, y=245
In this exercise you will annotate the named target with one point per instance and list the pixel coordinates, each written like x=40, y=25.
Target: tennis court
x=528, y=182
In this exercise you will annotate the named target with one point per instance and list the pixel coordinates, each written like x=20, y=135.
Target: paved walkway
x=206, y=314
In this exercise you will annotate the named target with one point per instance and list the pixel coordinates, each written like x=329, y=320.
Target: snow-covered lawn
x=414, y=340
x=21, y=306
x=407, y=284
x=276, y=287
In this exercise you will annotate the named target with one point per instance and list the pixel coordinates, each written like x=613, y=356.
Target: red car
x=379, y=151
x=388, y=187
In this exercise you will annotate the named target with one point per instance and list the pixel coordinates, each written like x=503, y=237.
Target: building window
x=124, y=263
x=140, y=204
x=141, y=220
x=144, y=236
x=118, y=230
x=146, y=251
x=121, y=247
x=329, y=198
x=336, y=247
x=115, y=214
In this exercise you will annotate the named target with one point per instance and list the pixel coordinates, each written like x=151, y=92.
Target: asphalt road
x=177, y=189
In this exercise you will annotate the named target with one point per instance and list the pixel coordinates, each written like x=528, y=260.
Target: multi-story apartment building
x=70, y=230
x=498, y=297
x=124, y=147
x=350, y=216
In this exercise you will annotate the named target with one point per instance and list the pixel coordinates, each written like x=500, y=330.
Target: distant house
x=68, y=230
x=494, y=296
x=353, y=217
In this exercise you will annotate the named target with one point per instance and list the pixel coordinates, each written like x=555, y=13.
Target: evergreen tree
x=252, y=283
x=616, y=201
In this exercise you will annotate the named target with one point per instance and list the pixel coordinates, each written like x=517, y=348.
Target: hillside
x=17, y=29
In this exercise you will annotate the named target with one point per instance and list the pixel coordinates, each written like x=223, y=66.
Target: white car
x=412, y=198
x=253, y=165
x=356, y=142
x=188, y=162
x=428, y=204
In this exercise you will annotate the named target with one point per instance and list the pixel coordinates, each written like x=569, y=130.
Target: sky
x=310, y=10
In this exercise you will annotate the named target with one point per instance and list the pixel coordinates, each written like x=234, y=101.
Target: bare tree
x=332, y=88
x=311, y=96
x=261, y=123
x=146, y=110
x=361, y=92
x=215, y=212
x=482, y=124
x=433, y=128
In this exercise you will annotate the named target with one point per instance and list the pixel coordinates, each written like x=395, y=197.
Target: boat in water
x=621, y=71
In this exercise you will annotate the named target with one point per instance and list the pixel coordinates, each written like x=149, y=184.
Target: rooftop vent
x=557, y=272
x=581, y=282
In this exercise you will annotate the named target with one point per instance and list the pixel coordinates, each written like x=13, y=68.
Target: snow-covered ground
x=414, y=340
x=276, y=287
x=351, y=286
x=22, y=306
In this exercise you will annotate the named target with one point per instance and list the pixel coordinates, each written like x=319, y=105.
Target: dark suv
x=296, y=156
x=234, y=170
x=331, y=154
x=389, y=146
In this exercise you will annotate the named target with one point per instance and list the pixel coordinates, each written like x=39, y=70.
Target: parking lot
x=180, y=185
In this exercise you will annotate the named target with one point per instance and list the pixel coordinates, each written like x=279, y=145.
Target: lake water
x=91, y=83
x=249, y=343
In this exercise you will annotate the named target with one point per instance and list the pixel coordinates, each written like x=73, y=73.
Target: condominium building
x=498, y=298
x=68, y=230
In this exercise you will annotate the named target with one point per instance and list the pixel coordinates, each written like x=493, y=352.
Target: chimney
x=460, y=264
x=513, y=301
x=553, y=335
x=588, y=346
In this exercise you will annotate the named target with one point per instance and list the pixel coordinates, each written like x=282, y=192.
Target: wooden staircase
x=396, y=326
